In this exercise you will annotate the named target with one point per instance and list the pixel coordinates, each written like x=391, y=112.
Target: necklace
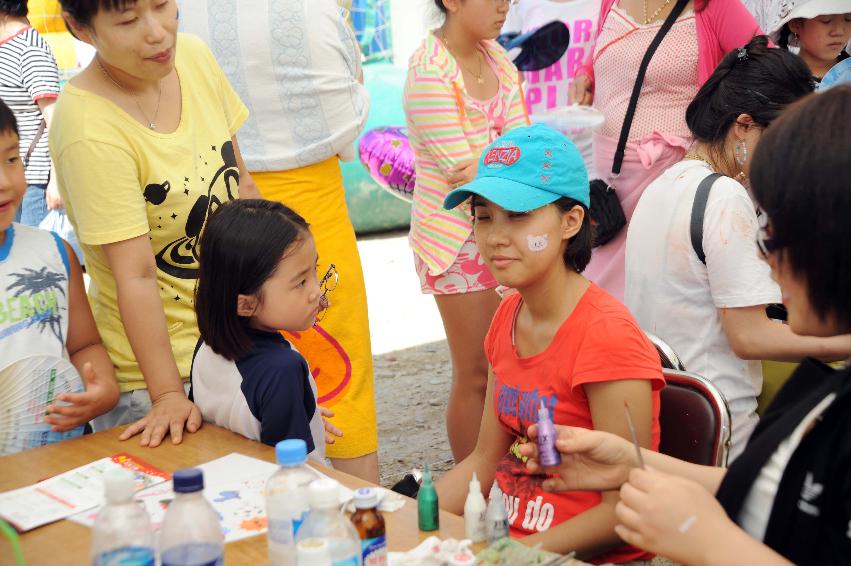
x=152, y=124
x=697, y=157
x=655, y=15
x=480, y=79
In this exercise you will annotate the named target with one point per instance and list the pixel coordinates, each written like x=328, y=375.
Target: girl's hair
x=8, y=122
x=755, y=80
x=84, y=10
x=799, y=176
x=15, y=8
x=241, y=247
x=440, y=6
x=579, y=247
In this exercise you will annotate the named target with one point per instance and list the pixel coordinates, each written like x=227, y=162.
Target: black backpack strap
x=639, y=81
x=698, y=210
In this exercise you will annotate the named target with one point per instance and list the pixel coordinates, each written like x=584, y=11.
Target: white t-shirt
x=548, y=89
x=673, y=295
x=295, y=65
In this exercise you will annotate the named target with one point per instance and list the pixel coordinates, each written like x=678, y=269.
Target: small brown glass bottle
x=370, y=525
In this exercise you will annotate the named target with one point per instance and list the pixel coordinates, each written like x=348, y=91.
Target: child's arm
x=88, y=355
x=131, y=263
x=247, y=187
x=593, y=532
x=492, y=445
x=279, y=395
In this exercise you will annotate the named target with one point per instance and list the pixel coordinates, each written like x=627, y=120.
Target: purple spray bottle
x=547, y=453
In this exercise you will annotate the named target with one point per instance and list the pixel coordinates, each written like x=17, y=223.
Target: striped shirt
x=27, y=74
x=448, y=127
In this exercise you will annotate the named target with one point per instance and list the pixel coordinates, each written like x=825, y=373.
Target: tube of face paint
x=496, y=517
x=475, y=527
x=428, y=513
x=548, y=455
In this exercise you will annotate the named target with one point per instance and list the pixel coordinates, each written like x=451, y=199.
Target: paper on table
x=71, y=492
x=233, y=485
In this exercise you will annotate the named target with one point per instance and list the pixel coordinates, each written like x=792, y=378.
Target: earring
x=794, y=40
x=741, y=152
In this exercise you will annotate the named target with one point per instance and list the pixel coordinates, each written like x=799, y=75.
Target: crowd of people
x=200, y=171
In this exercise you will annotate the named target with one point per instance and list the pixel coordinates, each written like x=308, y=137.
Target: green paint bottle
x=428, y=510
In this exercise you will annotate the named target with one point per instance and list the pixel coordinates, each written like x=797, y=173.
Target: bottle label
x=128, y=556
x=374, y=551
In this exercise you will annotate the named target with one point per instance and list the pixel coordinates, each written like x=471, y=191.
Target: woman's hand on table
x=581, y=91
x=331, y=431
x=100, y=396
x=169, y=414
x=671, y=516
x=590, y=459
x=462, y=174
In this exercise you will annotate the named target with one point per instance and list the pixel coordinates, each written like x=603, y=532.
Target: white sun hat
x=788, y=10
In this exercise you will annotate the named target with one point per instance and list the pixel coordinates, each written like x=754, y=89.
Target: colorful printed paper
x=71, y=492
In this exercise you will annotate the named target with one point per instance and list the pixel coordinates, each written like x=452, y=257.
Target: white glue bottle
x=475, y=508
x=496, y=517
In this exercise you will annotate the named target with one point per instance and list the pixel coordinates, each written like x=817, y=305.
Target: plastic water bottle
x=326, y=521
x=191, y=533
x=287, y=501
x=122, y=531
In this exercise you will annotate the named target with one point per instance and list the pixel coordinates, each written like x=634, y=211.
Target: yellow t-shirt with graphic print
x=120, y=180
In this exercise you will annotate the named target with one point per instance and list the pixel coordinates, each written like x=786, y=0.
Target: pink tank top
x=670, y=84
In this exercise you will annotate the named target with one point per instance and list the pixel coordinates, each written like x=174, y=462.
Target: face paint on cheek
x=538, y=243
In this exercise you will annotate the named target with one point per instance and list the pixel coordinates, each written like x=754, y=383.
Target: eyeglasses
x=764, y=242
x=328, y=283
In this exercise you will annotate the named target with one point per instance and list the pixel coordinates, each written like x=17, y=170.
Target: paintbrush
x=633, y=433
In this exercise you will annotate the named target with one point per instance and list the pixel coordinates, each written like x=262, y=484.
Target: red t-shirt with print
x=600, y=341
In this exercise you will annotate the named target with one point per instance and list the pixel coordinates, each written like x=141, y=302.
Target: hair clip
x=742, y=53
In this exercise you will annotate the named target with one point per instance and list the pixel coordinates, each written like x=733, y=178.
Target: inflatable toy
x=387, y=154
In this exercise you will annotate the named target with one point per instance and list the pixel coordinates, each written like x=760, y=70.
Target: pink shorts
x=467, y=275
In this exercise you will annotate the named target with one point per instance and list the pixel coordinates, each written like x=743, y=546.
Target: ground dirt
x=412, y=388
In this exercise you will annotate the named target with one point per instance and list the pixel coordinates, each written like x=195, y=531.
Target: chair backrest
x=694, y=419
x=669, y=358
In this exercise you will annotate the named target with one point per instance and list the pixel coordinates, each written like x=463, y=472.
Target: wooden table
x=65, y=542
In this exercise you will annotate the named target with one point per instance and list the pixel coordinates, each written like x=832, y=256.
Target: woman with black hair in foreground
x=787, y=499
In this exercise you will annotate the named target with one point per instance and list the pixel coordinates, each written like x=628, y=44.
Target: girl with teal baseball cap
x=560, y=342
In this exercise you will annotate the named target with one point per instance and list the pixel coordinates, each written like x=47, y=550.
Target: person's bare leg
x=466, y=319
x=364, y=467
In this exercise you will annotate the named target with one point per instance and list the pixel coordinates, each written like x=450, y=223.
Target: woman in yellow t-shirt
x=144, y=143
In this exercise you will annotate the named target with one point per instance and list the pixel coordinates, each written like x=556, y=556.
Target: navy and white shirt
x=268, y=395
x=28, y=73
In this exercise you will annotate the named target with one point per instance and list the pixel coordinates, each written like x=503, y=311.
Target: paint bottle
x=428, y=512
x=496, y=517
x=326, y=522
x=370, y=525
x=475, y=509
x=548, y=455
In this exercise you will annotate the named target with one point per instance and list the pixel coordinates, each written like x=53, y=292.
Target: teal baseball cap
x=525, y=169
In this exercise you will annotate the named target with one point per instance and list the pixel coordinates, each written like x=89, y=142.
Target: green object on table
x=14, y=541
x=371, y=208
x=428, y=512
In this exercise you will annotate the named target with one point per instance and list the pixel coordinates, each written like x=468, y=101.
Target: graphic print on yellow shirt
x=179, y=257
x=120, y=180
